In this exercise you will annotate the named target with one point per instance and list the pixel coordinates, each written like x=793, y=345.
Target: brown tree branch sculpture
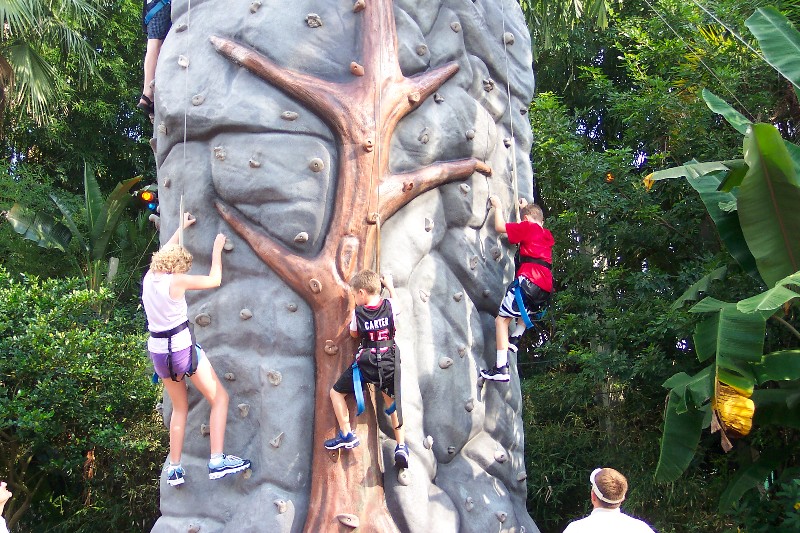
x=363, y=115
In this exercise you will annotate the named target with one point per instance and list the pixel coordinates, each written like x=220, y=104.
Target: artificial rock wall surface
x=255, y=154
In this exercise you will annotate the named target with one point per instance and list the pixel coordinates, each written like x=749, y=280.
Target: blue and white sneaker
x=230, y=464
x=175, y=475
x=496, y=374
x=401, y=456
x=348, y=441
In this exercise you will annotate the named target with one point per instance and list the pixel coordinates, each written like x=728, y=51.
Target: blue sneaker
x=348, y=441
x=230, y=464
x=401, y=456
x=175, y=475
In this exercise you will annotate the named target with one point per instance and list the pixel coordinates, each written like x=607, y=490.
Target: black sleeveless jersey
x=375, y=326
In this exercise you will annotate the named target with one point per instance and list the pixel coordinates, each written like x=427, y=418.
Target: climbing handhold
x=486, y=293
x=424, y=136
x=488, y=84
x=356, y=69
x=291, y=307
x=501, y=516
x=202, y=320
x=230, y=376
x=277, y=440
x=167, y=183
x=445, y=362
x=451, y=450
x=422, y=50
x=245, y=314
x=523, y=111
x=183, y=61
x=428, y=224
x=414, y=97
x=458, y=296
x=455, y=26
x=179, y=28
x=469, y=405
x=301, y=237
x=469, y=503
x=359, y=6
x=162, y=128
x=507, y=142
x=500, y=456
x=281, y=505
x=497, y=253
x=522, y=476
x=193, y=528
x=349, y=520
x=198, y=99
x=316, y=164
x=154, y=145
x=462, y=351
x=219, y=153
x=244, y=409
x=465, y=188
x=228, y=247
x=247, y=473
x=403, y=478
x=473, y=262
x=368, y=145
x=423, y=296
x=274, y=377
x=205, y=430
x=470, y=134
x=315, y=285
x=508, y=38
x=254, y=6
x=438, y=98
x=290, y=115
x=313, y=20
x=254, y=164
x=428, y=442
x=408, y=185
x=330, y=347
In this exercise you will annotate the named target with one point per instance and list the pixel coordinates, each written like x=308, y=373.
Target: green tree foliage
x=80, y=445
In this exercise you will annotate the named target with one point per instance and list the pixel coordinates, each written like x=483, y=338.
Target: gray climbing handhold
x=438, y=98
x=219, y=153
x=301, y=237
x=451, y=450
x=277, y=440
x=244, y=409
x=183, y=61
x=180, y=28
x=167, y=183
x=198, y=99
x=316, y=164
x=508, y=38
x=349, y=520
x=462, y=351
x=202, y=320
x=473, y=262
x=465, y=188
x=162, y=128
x=501, y=516
x=458, y=296
x=455, y=26
x=359, y=6
x=291, y=307
x=230, y=376
x=469, y=503
x=488, y=84
x=522, y=476
x=205, y=430
x=507, y=142
x=470, y=134
x=469, y=405
x=228, y=246
x=281, y=505
x=445, y=362
x=245, y=314
x=313, y=20
x=497, y=253
x=274, y=377
x=423, y=296
x=193, y=528
x=523, y=111
x=486, y=293
x=254, y=164
x=290, y=115
x=403, y=477
x=254, y=6
x=422, y=50
x=247, y=474
x=500, y=456
x=428, y=224
x=428, y=442
x=424, y=136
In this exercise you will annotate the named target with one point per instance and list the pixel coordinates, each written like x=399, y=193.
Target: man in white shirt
x=5, y=495
x=608, y=492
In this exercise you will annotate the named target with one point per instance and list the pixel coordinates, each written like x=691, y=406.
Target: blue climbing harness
x=155, y=9
x=357, y=386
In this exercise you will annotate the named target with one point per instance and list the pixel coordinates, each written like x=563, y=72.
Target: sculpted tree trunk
x=363, y=115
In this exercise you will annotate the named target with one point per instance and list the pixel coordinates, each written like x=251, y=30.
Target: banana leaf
x=692, y=391
x=773, y=298
x=700, y=286
x=750, y=477
x=783, y=365
x=40, y=228
x=76, y=233
x=93, y=198
x=108, y=217
x=716, y=104
x=768, y=200
x=777, y=407
x=779, y=41
x=679, y=439
x=705, y=337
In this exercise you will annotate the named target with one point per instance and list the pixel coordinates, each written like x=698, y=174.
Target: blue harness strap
x=521, y=305
x=391, y=409
x=358, y=388
x=155, y=9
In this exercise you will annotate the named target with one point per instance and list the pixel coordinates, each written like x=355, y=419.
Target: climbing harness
x=155, y=9
x=194, y=349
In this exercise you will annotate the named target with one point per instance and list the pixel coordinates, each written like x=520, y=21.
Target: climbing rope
x=185, y=121
x=514, y=183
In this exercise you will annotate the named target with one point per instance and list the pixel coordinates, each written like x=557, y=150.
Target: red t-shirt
x=534, y=241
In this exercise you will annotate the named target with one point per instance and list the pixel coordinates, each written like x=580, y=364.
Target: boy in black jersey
x=374, y=323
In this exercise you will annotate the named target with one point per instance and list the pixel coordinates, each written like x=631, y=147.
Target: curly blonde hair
x=172, y=258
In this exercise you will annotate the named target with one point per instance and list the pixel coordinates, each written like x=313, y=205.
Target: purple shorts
x=181, y=361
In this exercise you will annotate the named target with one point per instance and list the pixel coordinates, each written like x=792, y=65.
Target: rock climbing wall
x=228, y=140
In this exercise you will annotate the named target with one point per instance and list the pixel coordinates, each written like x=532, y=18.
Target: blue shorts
x=159, y=25
x=181, y=361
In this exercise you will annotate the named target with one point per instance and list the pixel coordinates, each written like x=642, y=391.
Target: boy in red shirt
x=533, y=276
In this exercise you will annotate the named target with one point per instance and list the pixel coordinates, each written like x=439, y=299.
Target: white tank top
x=163, y=313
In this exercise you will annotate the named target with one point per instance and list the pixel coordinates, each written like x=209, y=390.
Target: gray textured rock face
x=258, y=149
